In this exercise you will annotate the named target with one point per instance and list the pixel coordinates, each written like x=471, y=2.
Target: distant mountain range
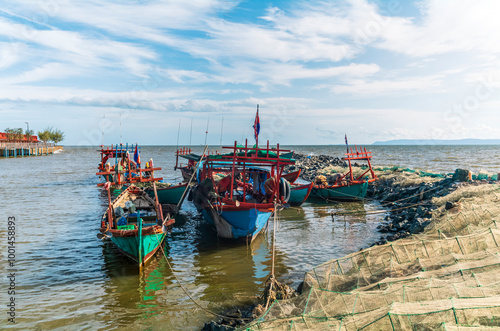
x=439, y=142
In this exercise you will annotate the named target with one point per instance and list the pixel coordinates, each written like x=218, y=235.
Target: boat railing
x=242, y=158
x=142, y=175
x=361, y=155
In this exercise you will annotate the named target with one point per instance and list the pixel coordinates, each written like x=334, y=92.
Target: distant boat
x=346, y=187
x=135, y=225
x=234, y=193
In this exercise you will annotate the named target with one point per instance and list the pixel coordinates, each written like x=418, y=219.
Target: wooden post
x=159, y=211
x=129, y=169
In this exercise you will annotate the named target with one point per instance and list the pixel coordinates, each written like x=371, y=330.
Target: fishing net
x=445, y=278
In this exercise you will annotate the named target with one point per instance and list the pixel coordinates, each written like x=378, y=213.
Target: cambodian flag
x=137, y=156
x=256, y=125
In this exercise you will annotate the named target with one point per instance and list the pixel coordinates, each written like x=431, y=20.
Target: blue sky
x=376, y=70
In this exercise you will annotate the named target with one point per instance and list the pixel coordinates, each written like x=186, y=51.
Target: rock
x=214, y=326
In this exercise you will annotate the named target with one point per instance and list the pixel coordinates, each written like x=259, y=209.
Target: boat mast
x=206, y=132
x=190, y=133
x=178, y=131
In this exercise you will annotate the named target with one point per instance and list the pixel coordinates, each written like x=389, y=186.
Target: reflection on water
x=69, y=279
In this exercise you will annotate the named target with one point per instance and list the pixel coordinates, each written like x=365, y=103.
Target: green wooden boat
x=346, y=187
x=352, y=192
x=299, y=193
x=167, y=194
x=135, y=225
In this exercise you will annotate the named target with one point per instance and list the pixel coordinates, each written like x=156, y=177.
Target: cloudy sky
x=376, y=70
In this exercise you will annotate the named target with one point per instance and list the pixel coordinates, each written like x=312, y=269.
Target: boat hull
x=129, y=246
x=168, y=195
x=238, y=224
x=351, y=192
x=299, y=193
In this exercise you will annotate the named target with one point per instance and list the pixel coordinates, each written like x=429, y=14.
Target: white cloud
x=432, y=83
x=77, y=48
x=446, y=26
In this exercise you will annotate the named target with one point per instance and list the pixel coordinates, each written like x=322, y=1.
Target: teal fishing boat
x=346, y=187
x=167, y=194
x=135, y=224
x=299, y=193
x=348, y=192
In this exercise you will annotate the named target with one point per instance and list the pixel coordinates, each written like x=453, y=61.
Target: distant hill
x=439, y=142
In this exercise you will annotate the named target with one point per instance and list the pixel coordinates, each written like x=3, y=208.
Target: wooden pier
x=8, y=149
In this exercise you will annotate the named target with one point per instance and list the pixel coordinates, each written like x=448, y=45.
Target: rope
x=190, y=297
x=378, y=211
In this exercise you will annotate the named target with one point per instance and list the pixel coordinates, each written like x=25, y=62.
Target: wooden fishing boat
x=299, y=193
x=346, y=187
x=291, y=177
x=234, y=193
x=192, y=158
x=135, y=224
x=167, y=193
x=118, y=169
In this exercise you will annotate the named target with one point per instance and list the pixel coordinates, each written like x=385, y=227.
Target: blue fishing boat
x=238, y=191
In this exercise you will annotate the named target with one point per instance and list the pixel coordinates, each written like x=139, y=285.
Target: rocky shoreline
x=406, y=195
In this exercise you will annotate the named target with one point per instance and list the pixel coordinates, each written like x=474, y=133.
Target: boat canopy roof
x=191, y=156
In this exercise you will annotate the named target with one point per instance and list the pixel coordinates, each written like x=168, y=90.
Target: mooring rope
x=189, y=295
x=378, y=211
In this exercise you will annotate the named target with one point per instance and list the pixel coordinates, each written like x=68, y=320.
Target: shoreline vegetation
x=435, y=226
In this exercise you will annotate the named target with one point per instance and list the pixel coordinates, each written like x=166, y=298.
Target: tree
x=10, y=134
x=16, y=134
x=56, y=136
x=45, y=134
x=19, y=134
x=28, y=134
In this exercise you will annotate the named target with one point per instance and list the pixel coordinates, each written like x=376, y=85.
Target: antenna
x=221, y=127
x=206, y=132
x=102, y=130
x=120, y=128
x=178, y=131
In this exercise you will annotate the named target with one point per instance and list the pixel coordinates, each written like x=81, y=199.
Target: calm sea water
x=67, y=279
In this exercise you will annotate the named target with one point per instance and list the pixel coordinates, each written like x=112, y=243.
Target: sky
x=162, y=72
